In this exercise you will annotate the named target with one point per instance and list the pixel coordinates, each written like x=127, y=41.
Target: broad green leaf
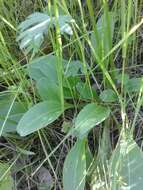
x=74, y=171
x=120, y=78
x=73, y=68
x=8, y=124
x=48, y=91
x=32, y=31
x=44, y=66
x=5, y=95
x=130, y=84
x=6, y=182
x=39, y=116
x=134, y=85
x=85, y=91
x=108, y=96
x=126, y=166
x=90, y=116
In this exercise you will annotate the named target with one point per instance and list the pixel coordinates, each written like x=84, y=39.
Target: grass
x=107, y=42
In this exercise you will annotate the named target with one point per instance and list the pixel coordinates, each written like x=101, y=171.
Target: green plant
x=32, y=31
x=6, y=181
x=44, y=71
x=78, y=73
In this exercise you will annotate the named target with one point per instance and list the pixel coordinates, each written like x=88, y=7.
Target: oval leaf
x=39, y=116
x=74, y=171
x=126, y=166
x=91, y=115
x=73, y=68
x=9, y=124
x=47, y=90
x=44, y=66
x=108, y=96
x=134, y=85
x=85, y=91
